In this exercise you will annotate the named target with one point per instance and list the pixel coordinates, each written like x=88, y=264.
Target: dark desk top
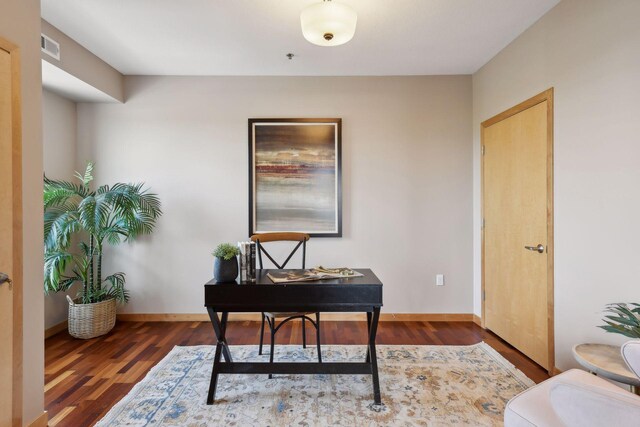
x=368, y=279
x=344, y=294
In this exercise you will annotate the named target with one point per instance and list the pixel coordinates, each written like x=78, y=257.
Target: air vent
x=50, y=46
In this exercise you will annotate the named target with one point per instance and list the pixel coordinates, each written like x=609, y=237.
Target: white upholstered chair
x=578, y=398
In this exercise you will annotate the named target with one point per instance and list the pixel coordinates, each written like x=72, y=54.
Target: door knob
x=5, y=278
x=539, y=248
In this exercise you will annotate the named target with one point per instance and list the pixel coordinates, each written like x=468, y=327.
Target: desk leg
x=372, y=355
x=219, y=327
x=368, y=359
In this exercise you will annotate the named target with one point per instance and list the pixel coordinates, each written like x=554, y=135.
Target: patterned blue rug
x=420, y=385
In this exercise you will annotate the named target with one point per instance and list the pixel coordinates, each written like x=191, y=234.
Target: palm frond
x=103, y=209
x=87, y=177
x=94, y=295
x=59, y=226
x=86, y=250
x=55, y=265
x=59, y=196
x=617, y=329
x=102, y=189
x=117, y=289
x=135, y=209
x=113, y=234
x=71, y=189
x=87, y=210
x=622, y=320
x=150, y=204
x=623, y=310
x=139, y=223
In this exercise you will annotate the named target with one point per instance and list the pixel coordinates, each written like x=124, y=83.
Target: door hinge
x=483, y=150
x=482, y=226
x=484, y=295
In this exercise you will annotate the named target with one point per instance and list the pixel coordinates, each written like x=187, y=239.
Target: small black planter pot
x=225, y=270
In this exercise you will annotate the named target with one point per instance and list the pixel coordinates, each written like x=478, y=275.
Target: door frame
x=16, y=136
x=547, y=95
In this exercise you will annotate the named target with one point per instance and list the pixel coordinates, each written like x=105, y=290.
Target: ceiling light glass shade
x=328, y=23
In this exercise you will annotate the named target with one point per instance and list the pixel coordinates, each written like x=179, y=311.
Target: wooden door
x=10, y=239
x=518, y=227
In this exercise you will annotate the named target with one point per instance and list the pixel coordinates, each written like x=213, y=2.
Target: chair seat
x=533, y=407
x=274, y=315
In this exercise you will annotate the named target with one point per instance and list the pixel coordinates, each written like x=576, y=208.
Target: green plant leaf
x=55, y=265
x=117, y=289
x=622, y=320
x=629, y=322
x=226, y=251
x=53, y=188
x=87, y=177
x=620, y=330
x=59, y=226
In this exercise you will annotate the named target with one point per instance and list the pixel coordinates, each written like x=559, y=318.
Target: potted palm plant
x=74, y=212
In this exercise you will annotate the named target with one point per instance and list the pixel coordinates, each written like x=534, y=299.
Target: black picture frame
x=281, y=137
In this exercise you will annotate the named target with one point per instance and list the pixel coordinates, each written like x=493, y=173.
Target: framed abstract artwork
x=295, y=176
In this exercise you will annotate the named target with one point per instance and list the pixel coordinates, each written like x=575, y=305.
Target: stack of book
x=247, y=261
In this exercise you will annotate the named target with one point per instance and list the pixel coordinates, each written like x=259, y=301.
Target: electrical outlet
x=439, y=279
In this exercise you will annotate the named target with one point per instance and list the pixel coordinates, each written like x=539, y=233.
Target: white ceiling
x=252, y=37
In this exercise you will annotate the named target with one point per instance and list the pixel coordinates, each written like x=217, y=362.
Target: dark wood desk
x=355, y=294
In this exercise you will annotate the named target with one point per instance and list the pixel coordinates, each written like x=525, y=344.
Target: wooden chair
x=271, y=318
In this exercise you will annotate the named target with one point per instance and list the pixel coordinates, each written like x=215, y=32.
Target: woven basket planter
x=91, y=320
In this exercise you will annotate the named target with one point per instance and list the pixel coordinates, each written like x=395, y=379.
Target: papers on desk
x=312, y=274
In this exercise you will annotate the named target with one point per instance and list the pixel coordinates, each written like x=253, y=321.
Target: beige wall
x=20, y=24
x=59, y=146
x=80, y=63
x=407, y=179
x=588, y=51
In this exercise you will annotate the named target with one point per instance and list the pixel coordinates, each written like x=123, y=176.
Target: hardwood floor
x=85, y=378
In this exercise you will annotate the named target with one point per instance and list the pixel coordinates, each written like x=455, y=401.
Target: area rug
x=420, y=385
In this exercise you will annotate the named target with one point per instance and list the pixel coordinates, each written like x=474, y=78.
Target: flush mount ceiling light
x=328, y=23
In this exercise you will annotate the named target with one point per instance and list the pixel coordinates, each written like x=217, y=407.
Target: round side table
x=606, y=361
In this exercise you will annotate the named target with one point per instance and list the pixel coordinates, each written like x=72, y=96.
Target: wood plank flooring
x=85, y=378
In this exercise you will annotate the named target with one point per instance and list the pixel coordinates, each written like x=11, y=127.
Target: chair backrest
x=631, y=355
x=262, y=238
